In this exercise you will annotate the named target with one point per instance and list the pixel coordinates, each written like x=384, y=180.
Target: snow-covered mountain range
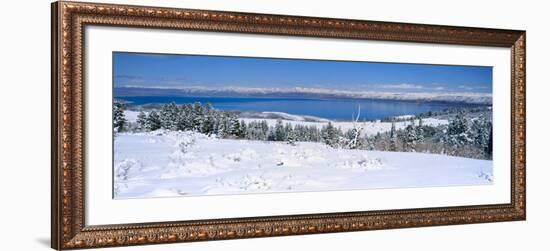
x=454, y=97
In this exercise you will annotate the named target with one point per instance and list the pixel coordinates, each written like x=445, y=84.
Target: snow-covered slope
x=282, y=115
x=131, y=116
x=159, y=164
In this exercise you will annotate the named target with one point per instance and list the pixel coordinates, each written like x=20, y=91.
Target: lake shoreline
x=311, y=109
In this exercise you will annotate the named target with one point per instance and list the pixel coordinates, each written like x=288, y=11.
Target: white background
x=25, y=141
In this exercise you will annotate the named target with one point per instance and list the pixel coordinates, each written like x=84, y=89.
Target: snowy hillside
x=281, y=115
x=163, y=163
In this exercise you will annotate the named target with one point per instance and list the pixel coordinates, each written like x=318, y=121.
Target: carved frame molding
x=68, y=226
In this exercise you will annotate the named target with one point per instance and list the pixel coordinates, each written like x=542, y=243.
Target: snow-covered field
x=131, y=116
x=162, y=163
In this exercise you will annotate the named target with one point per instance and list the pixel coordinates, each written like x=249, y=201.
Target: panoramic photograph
x=195, y=125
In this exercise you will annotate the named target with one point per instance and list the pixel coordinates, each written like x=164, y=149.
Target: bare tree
x=356, y=131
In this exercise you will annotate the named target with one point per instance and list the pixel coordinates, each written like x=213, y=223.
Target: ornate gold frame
x=68, y=228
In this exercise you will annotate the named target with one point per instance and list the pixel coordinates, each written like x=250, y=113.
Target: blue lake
x=335, y=109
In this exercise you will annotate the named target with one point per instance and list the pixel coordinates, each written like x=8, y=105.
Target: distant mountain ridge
x=300, y=92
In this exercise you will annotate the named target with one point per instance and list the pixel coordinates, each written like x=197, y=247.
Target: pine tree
x=119, y=120
x=481, y=131
x=153, y=121
x=489, y=150
x=198, y=116
x=314, y=134
x=142, y=120
x=330, y=135
x=368, y=143
x=288, y=130
x=253, y=131
x=208, y=123
x=420, y=131
x=457, y=131
x=223, y=128
x=234, y=126
x=393, y=138
x=291, y=138
x=410, y=138
x=186, y=118
x=242, y=130
x=279, y=131
x=169, y=114
x=264, y=128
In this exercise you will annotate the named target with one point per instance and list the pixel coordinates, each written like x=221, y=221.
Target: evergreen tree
x=288, y=130
x=253, y=131
x=314, y=134
x=264, y=129
x=208, y=123
x=279, y=131
x=489, y=149
x=291, y=138
x=142, y=120
x=242, y=130
x=368, y=143
x=420, y=131
x=481, y=131
x=169, y=114
x=234, y=126
x=198, y=117
x=330, y=135
x=153, y=121
x=457, y=132
x=208, y=108
x=119, y=120
x=410, y=138
x=393, y=138
x=223, y=127
x=186, y=118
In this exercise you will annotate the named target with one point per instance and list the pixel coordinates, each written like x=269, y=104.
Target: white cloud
x=401, y=86
x=464, y=87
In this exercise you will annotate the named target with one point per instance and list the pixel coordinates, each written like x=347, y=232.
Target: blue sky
x=179, y=71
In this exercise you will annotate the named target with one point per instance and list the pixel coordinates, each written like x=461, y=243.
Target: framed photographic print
x=176, y=125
